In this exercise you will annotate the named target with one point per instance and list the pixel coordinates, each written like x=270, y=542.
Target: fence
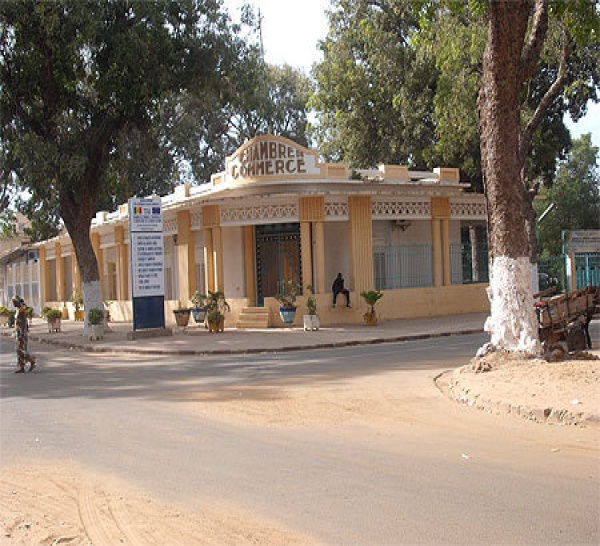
x=411, y=266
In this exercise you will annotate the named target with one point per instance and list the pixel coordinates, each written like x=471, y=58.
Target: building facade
x=277, y=214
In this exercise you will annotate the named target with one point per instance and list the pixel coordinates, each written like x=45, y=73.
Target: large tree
x=83, y=81
x=374, y=96
x=517, y=31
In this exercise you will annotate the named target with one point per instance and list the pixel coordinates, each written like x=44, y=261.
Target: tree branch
x=537, y=34
x=542, y=108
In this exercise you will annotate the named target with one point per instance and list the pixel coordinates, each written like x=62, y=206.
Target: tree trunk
x=77, y=211
x=512, y=323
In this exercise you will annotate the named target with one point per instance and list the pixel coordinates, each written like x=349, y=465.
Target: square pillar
x=361, y=243
x=186, y=257
x=250, y=265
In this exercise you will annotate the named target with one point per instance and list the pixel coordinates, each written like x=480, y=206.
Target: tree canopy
x=83, y=80
x=575, y=195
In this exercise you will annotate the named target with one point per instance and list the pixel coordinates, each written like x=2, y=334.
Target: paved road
x=444, y=474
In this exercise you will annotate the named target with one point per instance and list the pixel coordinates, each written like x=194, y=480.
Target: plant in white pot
x=311, y=321
x=54, y=317
x=96, y=324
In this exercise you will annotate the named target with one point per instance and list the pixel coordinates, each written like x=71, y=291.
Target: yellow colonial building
x=277, y=214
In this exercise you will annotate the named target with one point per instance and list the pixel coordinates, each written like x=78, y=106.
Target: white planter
x=95, y=332
x=311, y=322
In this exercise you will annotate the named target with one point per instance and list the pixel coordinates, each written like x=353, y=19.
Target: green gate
x=278, y=258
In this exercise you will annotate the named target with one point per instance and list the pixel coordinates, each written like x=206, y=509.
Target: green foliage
x=289, y=292
x=400, y=80
x=216, y=305
x=198, y=299
x=96, y=316
x=51, y=314
x=371, y=297
x=89, y=79
x=311, y=301
x=4, y=311
x=374, y=96
x=575, y=194
x=8, y=224
x=77, y=300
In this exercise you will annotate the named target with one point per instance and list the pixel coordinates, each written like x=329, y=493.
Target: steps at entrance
x=253, y=317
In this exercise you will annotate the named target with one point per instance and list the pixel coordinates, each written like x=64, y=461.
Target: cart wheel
x=576, y=340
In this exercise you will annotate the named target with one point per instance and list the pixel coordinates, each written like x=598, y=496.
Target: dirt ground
x=63, y=503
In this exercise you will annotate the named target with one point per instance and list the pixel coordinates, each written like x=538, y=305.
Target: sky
x=292, y=28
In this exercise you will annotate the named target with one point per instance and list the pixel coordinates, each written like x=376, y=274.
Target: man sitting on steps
x=338, y=288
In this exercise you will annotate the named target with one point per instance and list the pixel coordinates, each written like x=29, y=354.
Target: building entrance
x=278, y=258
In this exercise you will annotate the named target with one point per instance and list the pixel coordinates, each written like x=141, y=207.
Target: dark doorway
x=278, y=258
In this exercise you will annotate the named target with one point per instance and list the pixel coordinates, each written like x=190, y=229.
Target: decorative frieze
x=255, y=213
x=169, y=225
x=468, y=210
x=336, y=210
x=391, y=209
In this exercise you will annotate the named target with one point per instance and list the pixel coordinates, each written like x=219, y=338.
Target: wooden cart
x=566, y=317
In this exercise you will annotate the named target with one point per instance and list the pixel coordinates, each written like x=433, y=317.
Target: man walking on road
x=22, y=334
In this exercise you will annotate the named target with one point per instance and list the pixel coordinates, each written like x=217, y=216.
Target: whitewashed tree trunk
x=92, y=298
x=512, y=324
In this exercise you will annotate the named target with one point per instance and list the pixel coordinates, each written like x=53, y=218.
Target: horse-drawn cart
x=565, y=318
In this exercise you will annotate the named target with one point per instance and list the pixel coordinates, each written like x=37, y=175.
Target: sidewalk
x=196, y=340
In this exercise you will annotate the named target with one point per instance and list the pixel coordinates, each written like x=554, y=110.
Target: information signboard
x=147, y=263
x=581, y=242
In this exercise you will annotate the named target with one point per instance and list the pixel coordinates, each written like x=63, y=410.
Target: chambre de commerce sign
x=267, y=158
x=147, y=263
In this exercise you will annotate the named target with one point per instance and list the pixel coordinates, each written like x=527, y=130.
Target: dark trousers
x=342, y=291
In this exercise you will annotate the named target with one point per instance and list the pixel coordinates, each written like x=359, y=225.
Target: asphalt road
x=445, y=474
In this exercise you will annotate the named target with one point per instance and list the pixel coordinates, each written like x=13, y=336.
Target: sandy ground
x=60, y=503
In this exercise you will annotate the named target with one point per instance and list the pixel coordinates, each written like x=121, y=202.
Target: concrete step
x=253, y=317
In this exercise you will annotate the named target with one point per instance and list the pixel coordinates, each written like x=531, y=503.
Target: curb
x=290, y=348
x=543, y=415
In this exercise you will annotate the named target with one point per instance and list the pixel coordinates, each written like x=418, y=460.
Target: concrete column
x=319, y=235
x=95, y=238
x=306, y=251
x=361, y=244
x=209, y=259
x=250, y=265
x=75, y=273
x=211, y=222
x=60, y=274
x=44, y=277
x=312, y=216
x=440, y=216
x=122, y=264
x=218, y=250
x=446, y=252
x=186, y=257
x=436, y=252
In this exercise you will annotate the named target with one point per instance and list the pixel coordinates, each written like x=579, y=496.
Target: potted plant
x=29, y=311
x=287, y=301
x=311, y=321
x=4, y=315
x=182, y=316
x=53, y=316
x=371, y=297
x=96, y=323
x=215, y=306
x=198, y=300
x=77, y=301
